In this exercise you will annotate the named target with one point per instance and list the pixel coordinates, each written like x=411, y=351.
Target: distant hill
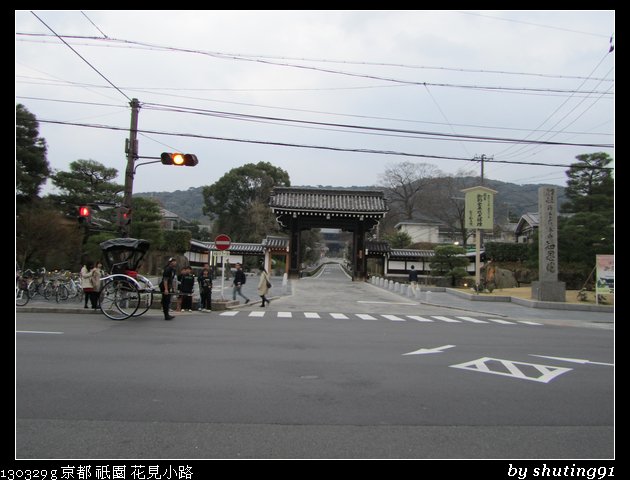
x=517, y=199
x=188, y=204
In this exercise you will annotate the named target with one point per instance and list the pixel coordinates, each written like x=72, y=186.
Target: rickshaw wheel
x=119, y=298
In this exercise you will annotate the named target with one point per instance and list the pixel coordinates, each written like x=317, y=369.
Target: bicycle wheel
x=61, y=293
x=21, y=296
x=119, y=299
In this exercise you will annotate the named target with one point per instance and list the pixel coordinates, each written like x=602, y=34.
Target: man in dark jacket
x=239, y=281
x=167, y=288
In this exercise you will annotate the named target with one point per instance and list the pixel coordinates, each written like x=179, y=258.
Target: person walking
x=413, y=279
x=166, y=286
x=205, y=289
x=239, y=281
x=263, y=286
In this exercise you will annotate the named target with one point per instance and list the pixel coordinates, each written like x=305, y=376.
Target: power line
x=81, y=57
x=270, y=61
x=297, y=145
x=452, y=136
x=136, y=44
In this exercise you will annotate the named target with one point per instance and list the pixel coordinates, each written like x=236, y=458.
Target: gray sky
x=446, y=84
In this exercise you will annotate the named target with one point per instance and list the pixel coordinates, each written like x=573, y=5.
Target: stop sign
x=222, y=242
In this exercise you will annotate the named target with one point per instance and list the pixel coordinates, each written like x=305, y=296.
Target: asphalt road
x=334, y=370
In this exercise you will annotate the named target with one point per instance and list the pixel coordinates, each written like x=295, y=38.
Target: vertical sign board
x=479, y=208
x=605, y=283
x=479, y=215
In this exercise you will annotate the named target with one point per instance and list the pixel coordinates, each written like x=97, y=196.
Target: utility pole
x=132, y=155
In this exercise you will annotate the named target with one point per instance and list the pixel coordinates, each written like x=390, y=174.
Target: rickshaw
x=124, y=292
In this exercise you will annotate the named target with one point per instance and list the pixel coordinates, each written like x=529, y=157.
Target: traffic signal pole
x=132, y=155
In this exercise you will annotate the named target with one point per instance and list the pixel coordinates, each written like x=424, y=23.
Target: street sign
x=222, y=242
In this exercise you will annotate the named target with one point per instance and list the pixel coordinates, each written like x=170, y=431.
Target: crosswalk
x=376, y=317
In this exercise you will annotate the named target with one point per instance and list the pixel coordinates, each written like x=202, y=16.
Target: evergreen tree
x=31, y=166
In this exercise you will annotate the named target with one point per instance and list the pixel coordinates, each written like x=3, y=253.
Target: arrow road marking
x=423, y=351
x=574, y=360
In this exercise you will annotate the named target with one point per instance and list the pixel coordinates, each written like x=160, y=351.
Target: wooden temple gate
x=303, y=208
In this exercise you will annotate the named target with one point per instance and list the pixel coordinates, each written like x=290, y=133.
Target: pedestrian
x=205, y=289
x=186, y=284
x=263, y=286
x=239, y=281
x=86, y=282
x=166, y=286
x=95, y=278
x=413, y=279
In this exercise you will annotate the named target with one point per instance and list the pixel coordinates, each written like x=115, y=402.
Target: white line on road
x=365, y=316
x=338, y=316
x=387, y=303
x=394, y=318
x=39, y=332
x=473, y=320
x=311, y=315
x=445, y=319
x=418, y=318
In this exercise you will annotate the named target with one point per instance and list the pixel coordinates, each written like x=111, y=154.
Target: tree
x=398, y=239
x=31, y=166
x=238, y=200
x=405, y=183
x=88, y=181
x=44, y=238
x=450, y=261
x=590, y=187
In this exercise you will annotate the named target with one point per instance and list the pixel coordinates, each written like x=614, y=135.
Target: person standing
x=86, y=282
x=205, y=289
x=239, y=281
x=95, y=278
x=263, y=286
x=186, y=285
x=167, y=287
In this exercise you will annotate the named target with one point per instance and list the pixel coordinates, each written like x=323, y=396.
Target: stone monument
x=548, y=288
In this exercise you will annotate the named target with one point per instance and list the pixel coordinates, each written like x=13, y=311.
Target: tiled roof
x=328, y=200
x=409, y=253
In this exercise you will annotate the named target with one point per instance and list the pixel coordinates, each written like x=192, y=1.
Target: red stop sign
x=222, y=242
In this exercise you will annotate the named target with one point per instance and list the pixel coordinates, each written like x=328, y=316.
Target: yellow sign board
x=479, y=208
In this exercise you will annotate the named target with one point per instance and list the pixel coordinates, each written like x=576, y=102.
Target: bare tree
x=406, y=182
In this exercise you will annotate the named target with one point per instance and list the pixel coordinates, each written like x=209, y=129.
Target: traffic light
x=179, y=159
x=85, y=215
x=124, y=216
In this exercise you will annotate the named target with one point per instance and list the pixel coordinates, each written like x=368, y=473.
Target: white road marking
x=445, y=319
x=473, y=320
x=393, y=318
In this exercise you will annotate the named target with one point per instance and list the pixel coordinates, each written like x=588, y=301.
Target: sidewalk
x=41, y=305
x=424, y=292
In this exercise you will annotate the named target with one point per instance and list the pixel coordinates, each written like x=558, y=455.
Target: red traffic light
x=179, y=159
x=124, y=216
x=85, y=214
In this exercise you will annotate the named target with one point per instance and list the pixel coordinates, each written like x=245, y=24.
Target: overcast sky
x=237, y=87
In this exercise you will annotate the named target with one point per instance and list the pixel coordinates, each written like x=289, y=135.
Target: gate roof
x=323, y=200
